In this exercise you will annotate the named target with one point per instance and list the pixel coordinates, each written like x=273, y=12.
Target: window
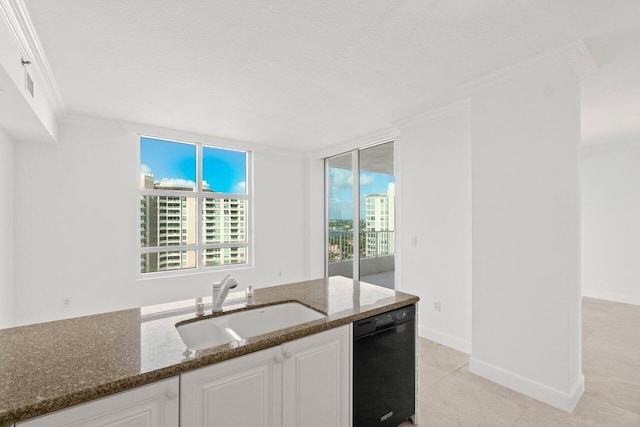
x=189, y=194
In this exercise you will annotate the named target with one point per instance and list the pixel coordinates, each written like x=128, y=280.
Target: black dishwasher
x=384, y=363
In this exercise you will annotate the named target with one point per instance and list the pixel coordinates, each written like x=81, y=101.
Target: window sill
x=188, y=273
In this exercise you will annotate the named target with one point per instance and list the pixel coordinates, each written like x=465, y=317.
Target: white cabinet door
x=245, y=391
x=316, y=378
x=153, y=405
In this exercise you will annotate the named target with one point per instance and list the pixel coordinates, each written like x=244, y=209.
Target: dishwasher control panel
x=384, y=320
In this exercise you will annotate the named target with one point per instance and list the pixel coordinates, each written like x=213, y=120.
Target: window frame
x=199, y=194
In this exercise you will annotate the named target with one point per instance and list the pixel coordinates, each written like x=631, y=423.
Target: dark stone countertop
x=54, y=365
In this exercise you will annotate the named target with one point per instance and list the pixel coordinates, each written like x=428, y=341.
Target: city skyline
x=167, y=222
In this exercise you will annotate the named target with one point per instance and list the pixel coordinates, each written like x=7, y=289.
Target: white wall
x=526, y=233
x=316, y=251
x=434, y=182
x=76, y=224
x=611, y=222
x=433, y=203
x=6, y=230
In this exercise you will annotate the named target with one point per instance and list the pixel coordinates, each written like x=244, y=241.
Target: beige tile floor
x=451, y=396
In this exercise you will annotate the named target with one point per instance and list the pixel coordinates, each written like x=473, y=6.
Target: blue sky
x=341, y=192
x=174, y=163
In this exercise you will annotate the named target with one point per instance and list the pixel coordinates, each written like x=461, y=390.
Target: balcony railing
x=372, y=244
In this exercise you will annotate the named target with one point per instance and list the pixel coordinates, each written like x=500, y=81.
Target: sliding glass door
x=340, y=226
x=377, y=215
x=361, y=185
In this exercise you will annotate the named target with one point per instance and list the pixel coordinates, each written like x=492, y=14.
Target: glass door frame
x=355, y=172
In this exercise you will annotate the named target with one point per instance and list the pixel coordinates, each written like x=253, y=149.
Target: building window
x=189, y=194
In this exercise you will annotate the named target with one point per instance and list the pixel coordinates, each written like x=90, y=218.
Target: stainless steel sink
x=241, y=325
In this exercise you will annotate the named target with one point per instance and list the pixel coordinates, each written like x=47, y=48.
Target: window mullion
x=199, y=230
x=173, y=248
x=167, y=193
x=355, y=173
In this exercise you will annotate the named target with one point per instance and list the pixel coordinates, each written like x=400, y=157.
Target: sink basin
x=244, y=324
x=204, y=334
x=268, y=319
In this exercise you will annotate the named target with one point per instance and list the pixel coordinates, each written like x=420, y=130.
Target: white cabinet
x=303, y=383
x=244, y=391
x=153, y=405
x=316, y=377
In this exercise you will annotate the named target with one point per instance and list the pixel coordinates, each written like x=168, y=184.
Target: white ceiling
x=306, y=74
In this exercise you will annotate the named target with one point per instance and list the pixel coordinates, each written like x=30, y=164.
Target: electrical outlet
x=67, y=302
x=436, y=306
x=414, y=240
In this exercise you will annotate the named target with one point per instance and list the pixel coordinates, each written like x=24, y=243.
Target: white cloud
x=145, y=170
x=340, y=209
x=240, y=188
x=341, y=179
x=366, y=178
x=177, y=183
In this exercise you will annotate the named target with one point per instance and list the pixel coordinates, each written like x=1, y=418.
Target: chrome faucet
x=220, y=292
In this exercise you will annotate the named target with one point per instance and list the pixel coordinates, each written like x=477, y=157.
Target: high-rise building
x=169, y=221
x=224, y=221
x=380, y=223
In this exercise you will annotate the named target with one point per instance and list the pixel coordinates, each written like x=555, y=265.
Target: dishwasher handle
x=383, y=321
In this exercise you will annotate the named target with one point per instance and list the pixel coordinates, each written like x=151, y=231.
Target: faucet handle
x=227, y=278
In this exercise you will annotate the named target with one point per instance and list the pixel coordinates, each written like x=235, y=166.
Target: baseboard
x=564, y=401
x=445, y=339
x=611, y=296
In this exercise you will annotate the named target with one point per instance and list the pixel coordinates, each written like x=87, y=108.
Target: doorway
x=360, y=214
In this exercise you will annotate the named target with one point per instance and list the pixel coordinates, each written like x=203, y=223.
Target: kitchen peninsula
x=52, y=366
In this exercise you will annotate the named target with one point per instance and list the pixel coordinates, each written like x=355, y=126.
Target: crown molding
x=377, y=137
x=448, y=110
x=392, y=132
x=17, y=18
x=160, y=132
x=579, y=57
x=610, y=146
